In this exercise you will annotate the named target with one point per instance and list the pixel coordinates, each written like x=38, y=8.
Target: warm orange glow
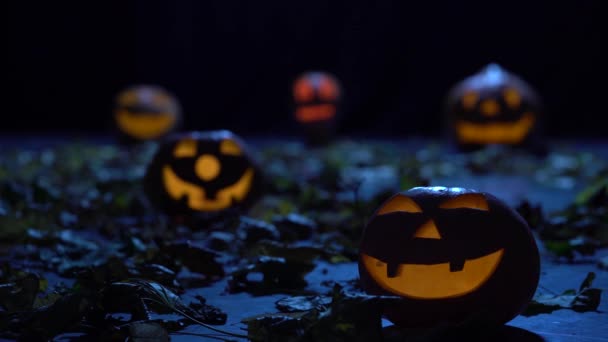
x=313, y=113
x=161, y=100
x=303, y=91
x=512, y=98
x=399, y=203
x=496, y=132
x=434, y=281
x=473, y=201
x=128, y=98
x=197, y=199
x=207, y=167
x=428, y=231
x=328, y=90
x=145, y=125
x=230, y=147
x=489, y=107
x=185, y=148
x=469, y=100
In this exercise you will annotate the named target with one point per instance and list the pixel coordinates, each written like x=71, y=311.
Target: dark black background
x=231, y=62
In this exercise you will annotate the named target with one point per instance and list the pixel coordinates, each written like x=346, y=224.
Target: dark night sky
x=231, y=62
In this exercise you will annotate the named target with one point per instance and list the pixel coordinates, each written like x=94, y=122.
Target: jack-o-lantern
x=146, y=112
x=202, y=172
x=492, y=107
x=456, y=256
x=316, y=97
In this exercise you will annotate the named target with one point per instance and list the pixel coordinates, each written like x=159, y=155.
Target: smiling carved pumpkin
x=146, y=112
x=455, y=255
x=316, y=98
x=492, y=107
x=202, y=172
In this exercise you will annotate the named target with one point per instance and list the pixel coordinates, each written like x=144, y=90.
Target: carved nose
x=207, y=167
x=489, y=107
x=428, y=231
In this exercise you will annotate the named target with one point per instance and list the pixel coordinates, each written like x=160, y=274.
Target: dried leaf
x=585, y=299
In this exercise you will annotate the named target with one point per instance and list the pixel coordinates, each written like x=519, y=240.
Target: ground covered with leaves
x=83, y=254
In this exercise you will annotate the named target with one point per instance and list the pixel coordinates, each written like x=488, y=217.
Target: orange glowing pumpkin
x=202, y=172
x=316, y=97
x=492, y=107
x=146, y=112
x=454, y=255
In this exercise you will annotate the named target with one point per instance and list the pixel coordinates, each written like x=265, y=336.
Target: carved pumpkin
x=146, y=112
x=492, y=107
x=202, y=172
x=316, y=97
x=454, y=255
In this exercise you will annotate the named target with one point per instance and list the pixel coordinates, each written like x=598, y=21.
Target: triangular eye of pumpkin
x=512, y=98
x=471, y=201
x=185, y=148
x=399, y=203
x=303, y=91
x=327, y=89
x=160, y=99
x=231, y=148
x=127, y=98
x=469, y=100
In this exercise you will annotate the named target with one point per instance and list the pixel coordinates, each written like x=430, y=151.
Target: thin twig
x=195, y=320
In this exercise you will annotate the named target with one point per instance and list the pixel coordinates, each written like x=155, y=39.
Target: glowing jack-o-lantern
x=146, y=112
x=454, y=255
x=316, y=97
x=204, y=172
x=492, y=107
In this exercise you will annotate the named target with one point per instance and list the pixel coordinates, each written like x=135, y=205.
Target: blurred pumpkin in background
x=455, y=256
x=492, y=107
x=202, y=172
x=316, y=98
x=146, y=112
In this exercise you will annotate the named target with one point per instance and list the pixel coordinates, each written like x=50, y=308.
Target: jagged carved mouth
x=315, y=113
x=495, y=132
x=196, y=196
x=144, y=126
x=434, y=281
